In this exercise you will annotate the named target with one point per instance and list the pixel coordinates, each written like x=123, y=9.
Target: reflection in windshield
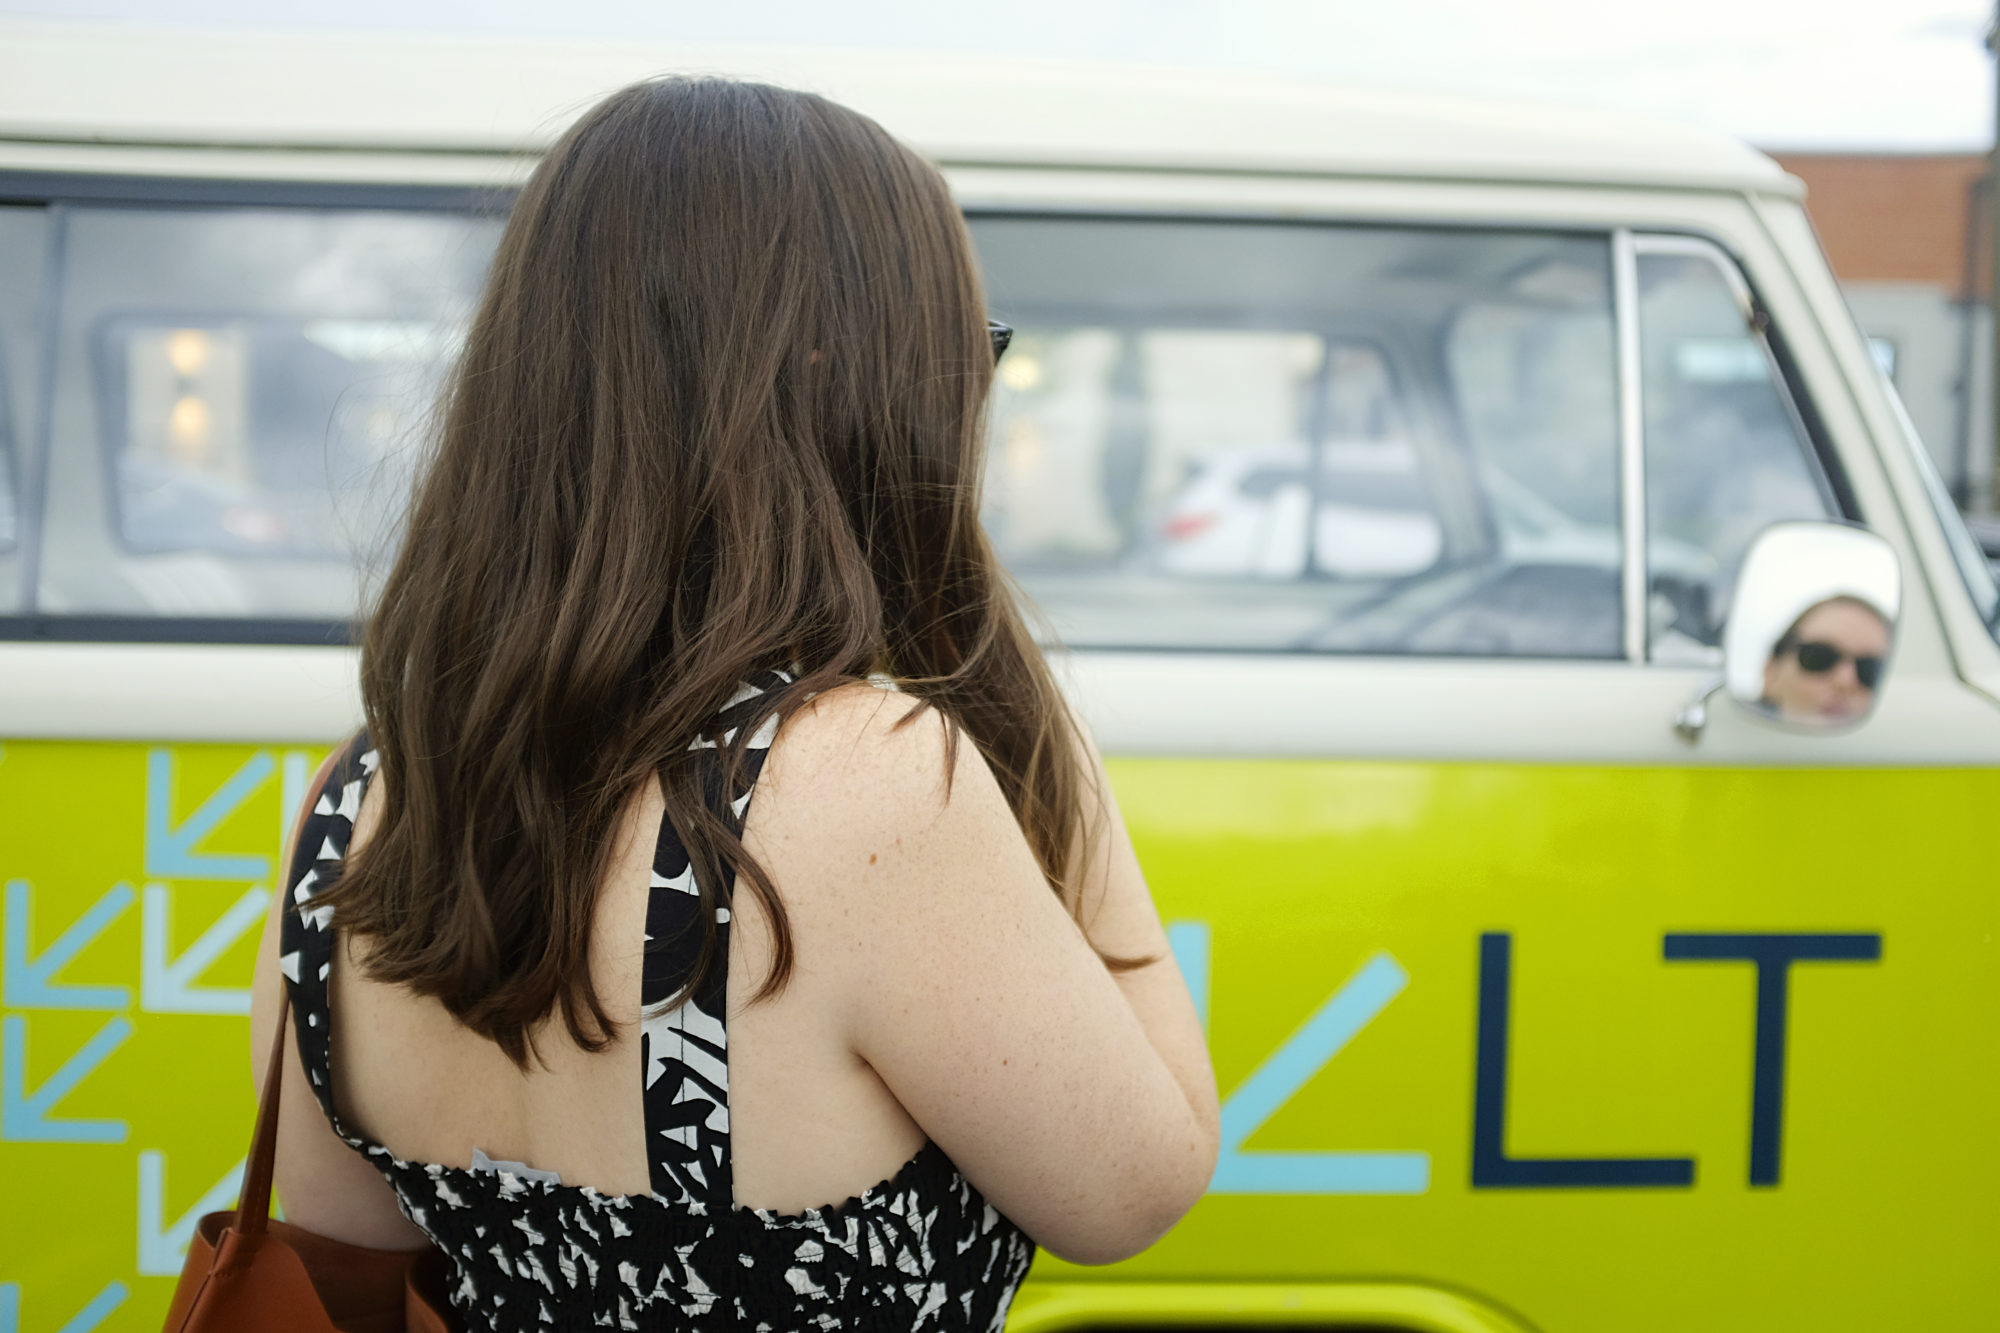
x=1973, y=567
x=1726, y=457
x=243, y=437
x=1307, y=438
x=241, y=397
x=23, y=255
x=9, y=509
x=1810, y=636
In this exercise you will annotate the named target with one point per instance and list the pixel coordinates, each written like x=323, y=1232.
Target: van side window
x=239, y=396
x=1132, y=403
x=1726, y=453
x=1290, y=437
x=23, y=245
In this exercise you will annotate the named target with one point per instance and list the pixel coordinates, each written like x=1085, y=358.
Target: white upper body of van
x=1067, y=139
x=309, y=91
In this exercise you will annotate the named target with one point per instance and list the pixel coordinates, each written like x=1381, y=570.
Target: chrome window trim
x=32, y=499
x=1631, y=440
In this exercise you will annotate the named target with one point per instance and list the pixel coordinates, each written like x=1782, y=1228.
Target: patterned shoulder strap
x=684, y=1051
x=305, y=935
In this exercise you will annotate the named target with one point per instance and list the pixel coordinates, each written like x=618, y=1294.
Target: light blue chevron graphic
x=1307, y=1051
x=1188, y=940
x=170, y=849
x=166, y=983
x=24, y=1116
x=163, y=1246
x=296, y=772
x=89, y=1317
x=92, y=1314
x=25, y=982
x=1291, y=1067
x=1321, y=1172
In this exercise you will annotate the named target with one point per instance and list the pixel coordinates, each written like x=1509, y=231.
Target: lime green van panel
x=1308, y=873
x=136, y=881
x=1337, y=919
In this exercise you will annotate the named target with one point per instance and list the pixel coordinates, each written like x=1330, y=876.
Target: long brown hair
x=720, y=410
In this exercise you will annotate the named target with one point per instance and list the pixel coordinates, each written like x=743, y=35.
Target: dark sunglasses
x=1001, y=334
x=1820, y=658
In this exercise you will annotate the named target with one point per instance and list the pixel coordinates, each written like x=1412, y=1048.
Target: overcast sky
x=1910, y=74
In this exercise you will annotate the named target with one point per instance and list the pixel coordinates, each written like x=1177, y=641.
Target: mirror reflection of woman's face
x=1837, y=693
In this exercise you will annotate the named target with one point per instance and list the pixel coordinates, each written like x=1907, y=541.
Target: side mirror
x=1812, y=626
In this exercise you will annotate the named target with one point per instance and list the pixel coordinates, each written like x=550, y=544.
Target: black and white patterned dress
x=923, y=1250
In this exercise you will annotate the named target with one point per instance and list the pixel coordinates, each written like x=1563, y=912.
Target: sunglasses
x=1820, y=658
x=1001, y=334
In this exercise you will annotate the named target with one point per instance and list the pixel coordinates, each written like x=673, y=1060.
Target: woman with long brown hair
x=702, y=526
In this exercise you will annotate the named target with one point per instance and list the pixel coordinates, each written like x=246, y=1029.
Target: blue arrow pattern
x=170, y=849
x=166, y=983
x=86, y=1319
x=25, y=982
x=24, y=1116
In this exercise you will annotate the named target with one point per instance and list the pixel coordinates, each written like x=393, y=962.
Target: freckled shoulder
x=862, y=752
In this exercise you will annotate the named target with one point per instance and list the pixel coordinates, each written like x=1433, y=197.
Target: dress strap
x=684, y=1051
x=305, y=932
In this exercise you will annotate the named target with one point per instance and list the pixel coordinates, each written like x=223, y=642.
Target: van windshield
x=1973, y=567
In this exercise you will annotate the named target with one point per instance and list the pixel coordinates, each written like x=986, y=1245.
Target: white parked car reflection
x=1242, y=513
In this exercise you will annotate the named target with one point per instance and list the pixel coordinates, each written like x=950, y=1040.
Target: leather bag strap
x=253, y=1206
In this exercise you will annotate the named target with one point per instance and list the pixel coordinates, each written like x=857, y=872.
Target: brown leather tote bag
x=248, y=1274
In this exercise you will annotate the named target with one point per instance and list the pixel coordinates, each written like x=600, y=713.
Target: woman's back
x=599, y=1186
x=654, y=983
x=809, y=1123
x=620, y=1145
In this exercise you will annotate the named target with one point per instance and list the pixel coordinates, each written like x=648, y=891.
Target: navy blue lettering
x=1492, y=1168
x=1774, y=956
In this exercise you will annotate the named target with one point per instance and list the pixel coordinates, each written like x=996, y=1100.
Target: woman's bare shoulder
x=869, y=797
x=870, y=760
x=953, y=972
x=862, y=714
